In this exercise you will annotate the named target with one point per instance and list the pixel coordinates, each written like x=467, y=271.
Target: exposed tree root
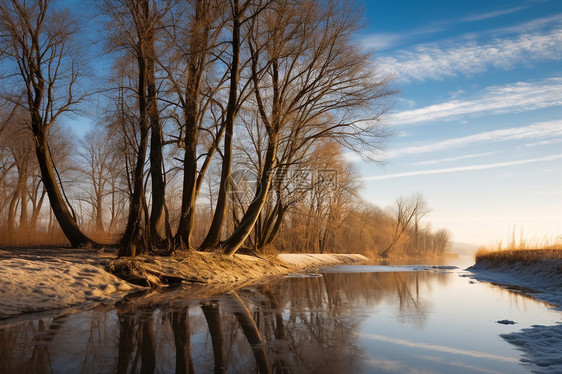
x=139, y=273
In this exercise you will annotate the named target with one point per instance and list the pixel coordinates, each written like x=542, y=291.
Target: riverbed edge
x=541, y=279
x=58, y=278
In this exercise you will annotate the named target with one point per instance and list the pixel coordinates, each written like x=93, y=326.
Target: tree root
x=136, y=272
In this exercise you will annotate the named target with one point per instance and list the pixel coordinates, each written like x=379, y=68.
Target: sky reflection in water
x=390, y=322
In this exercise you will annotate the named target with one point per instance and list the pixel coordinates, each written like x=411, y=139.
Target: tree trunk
x=185, y=226
x=396, y=237
x=99, y=213
x=213, y=236
x=23, y=199
x=274, y=231
x=267, y=225
x=130, y=238
x=196, y=63
x=237, y=239
x=36, y=210
x=68, y=225
x=156, y=161
x=12, y=209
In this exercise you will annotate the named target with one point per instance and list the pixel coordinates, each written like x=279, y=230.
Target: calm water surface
x=349, y=319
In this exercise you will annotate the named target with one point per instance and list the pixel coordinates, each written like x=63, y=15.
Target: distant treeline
x=224, y=126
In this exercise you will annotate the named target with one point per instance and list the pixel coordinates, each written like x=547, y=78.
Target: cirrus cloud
x=517, y=97
x=435, y=62
x=465, y=168
x=539, y=130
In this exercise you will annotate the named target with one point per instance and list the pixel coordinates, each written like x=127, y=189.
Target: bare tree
x=123, y=143
x=134, y=25
x=441, y=241
x=241, y=14
x=98, y=159
x=20, y=143
x=40, y=60
x=307, y=73
x=407, y=211
x=193, y=97
x=7, y=164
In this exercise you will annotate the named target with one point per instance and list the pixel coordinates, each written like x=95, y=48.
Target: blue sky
x=478, y=120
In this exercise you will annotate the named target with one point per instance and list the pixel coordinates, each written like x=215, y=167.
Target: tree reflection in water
x=288, y=325
x=212, y=316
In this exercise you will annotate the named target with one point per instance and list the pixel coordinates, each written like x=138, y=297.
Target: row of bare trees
x=331, y=217
x=221, y=120
x=319, y=207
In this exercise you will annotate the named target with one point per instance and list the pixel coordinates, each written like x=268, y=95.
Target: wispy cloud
x=464, y=168
x=511, y=98
x=382, y=41
x=457, y=158
x=544, y=142
x=549, y=130
x=434, y=62
x=494, y=14
x=530, y=25
x=538, y=130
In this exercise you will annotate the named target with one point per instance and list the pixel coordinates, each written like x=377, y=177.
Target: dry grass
x=525, y=256
x=522, y=250
x=32, y=239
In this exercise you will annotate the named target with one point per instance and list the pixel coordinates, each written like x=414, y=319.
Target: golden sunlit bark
x=38, y=40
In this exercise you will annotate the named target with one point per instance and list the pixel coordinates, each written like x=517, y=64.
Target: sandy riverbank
x=39, y=279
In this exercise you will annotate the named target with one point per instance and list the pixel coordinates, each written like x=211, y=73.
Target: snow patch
x=305, y=260
x=36, y=285
x=542, y=279
x=541, y=346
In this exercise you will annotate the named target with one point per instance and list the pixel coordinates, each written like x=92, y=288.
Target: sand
x=41, y=279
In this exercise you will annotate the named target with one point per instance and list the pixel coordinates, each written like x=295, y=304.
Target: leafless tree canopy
x=221, y=126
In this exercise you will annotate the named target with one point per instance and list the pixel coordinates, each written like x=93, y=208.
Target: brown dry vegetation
x=524, y=256
x=526, y=251
x=32, y=239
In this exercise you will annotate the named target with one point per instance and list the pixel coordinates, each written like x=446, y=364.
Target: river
x=359, y=319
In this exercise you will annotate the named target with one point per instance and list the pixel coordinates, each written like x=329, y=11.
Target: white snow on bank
x=304, y=260
x=541, y=345
x=544, y=277
x=28, y=285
